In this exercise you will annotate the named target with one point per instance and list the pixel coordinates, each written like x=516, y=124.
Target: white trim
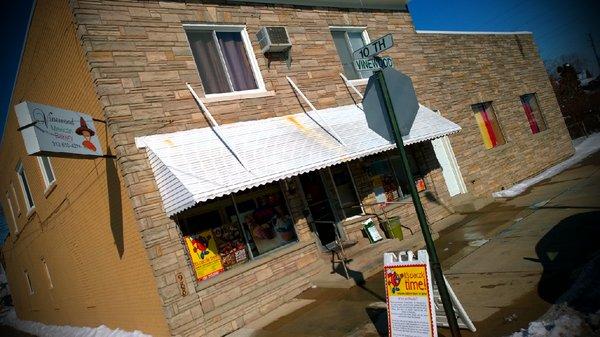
x=458, y=32
x=12, y=185
x=12, y=213
x=47, y=181
x=359, y=81
x=232, y=96
x=51, y=284
x=28, y=281
x=348, y=28
x=258, y=79
x=20, y=169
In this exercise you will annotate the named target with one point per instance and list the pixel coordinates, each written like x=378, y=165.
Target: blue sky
x=559, y=27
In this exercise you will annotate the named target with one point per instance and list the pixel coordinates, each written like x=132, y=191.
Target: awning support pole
x=214, y=126
x=322, y=123
x=348, y=84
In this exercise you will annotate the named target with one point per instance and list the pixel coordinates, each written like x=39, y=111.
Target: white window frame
x=12, y=186
x=47, y=181
x=12, y=213
x=20, y=169
x=28, y=281
x=337, y=194
x=260, y=83
x=50, y=283
x=366, y=40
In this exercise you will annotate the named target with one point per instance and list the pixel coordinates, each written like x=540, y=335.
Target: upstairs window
x=489, y=127
x=14, y=191
x=47, y=171
x=533, y=113
x=25, y=187
x=224, y=58
x=347, y=40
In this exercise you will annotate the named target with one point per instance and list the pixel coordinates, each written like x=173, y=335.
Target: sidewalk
x=498, y=260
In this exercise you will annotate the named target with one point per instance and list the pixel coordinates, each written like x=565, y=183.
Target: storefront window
x=388, y=178
x=222, y=234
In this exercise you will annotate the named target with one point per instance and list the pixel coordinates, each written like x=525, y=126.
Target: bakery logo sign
x=49, y=130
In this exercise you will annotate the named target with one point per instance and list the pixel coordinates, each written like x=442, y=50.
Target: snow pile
x=583, y=149
x=43, y=330
x=562, y=321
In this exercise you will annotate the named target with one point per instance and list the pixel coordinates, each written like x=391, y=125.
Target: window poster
x=202, y=248
x=230, y=244
x=269, y=225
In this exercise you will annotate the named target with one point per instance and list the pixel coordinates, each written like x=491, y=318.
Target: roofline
x=12, y=92
x=353, y=4
x=458, y=32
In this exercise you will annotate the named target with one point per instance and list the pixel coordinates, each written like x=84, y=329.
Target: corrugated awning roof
x=195, y=166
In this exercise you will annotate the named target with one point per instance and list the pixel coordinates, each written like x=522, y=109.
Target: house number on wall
x=182, y=286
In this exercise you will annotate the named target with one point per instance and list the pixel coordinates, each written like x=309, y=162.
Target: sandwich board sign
x=413, y=303
x=372, y=49
x=409, y=295
x=48, y=130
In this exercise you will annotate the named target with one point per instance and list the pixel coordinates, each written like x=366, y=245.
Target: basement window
x=29, y=285
x=50, y=284
x=12, y=213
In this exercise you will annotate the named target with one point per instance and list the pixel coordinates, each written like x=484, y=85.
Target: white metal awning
x=195, y=165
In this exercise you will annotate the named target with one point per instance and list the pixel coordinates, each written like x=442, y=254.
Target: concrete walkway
x=501, y=261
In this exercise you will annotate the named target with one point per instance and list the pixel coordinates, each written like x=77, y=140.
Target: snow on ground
x=562, y=321
x=39, y=329
x=583, y=148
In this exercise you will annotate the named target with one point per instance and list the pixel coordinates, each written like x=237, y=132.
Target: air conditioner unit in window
x=273, y=39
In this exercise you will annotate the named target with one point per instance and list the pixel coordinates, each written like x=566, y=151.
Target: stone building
x=215, y=211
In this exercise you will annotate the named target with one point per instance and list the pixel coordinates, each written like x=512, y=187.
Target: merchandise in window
x=533, y=113
x=222, y=60
x=346, y=41
x=226, y=233
x=489, y=127
x=388, y=179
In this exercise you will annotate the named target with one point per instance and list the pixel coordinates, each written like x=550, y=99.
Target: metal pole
x=594, y=49
x=433, y=258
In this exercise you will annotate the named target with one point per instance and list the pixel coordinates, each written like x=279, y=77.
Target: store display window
x=388, y=179
x=225, y=233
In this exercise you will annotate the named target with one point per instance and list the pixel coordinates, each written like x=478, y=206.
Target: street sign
x=373, y=64
x=383, y=43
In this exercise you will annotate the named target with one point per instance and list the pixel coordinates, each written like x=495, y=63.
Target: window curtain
x=339, y=39
x=208, y=61
x=234, y=52
x=530, y=118
x=488, y=125
x=533, y=113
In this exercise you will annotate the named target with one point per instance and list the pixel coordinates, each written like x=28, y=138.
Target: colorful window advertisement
x=227, y=232
x=488, y=125
x=533, y=113
x=202, y=248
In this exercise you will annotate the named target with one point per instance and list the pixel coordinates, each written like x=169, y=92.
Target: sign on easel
x=409, y=295
x=414, y=306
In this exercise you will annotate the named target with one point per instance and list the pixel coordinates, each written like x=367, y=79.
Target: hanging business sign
x=51, y=131
x=409, y=295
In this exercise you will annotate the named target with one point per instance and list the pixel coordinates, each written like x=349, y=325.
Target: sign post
x=371, y=50
x=433, y=258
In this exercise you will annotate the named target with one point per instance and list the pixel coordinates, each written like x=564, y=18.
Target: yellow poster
x=203, y=251
x=406, y=281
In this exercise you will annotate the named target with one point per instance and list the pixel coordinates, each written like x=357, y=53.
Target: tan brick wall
x=82, y=226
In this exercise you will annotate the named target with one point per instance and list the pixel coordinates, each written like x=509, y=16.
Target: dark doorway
x=318, y=204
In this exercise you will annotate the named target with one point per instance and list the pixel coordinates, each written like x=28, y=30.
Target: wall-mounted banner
x=50, y=130
x=409, y=295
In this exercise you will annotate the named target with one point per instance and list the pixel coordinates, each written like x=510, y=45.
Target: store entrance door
x=318, y=204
